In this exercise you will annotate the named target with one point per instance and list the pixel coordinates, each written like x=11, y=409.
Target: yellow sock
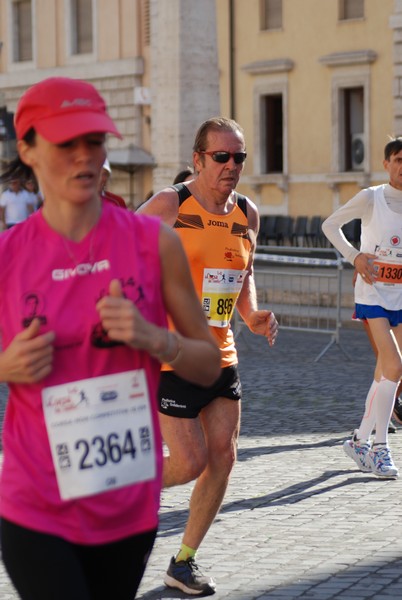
x=185, y=553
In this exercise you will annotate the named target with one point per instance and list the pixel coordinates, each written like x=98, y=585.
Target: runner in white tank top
x=378, y=297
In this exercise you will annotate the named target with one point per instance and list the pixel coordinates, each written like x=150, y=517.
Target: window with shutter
x=270, y=14
x=81, y=26
x=351, y=9
x=352, y=120
x=272, y=133
x=22, y=30
x=146, y=23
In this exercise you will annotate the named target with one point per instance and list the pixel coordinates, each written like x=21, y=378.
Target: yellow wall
x=311, y=31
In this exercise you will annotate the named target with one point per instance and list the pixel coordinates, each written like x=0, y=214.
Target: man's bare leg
x=221, y=421
x=187, y=449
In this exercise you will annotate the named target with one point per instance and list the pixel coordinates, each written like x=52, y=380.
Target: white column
x=184, y=80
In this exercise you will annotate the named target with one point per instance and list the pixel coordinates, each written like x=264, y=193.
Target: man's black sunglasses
x=220, y=156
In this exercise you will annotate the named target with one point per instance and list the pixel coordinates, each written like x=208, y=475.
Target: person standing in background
x=186, y=174
x=16, y=204
x=32, y=188
x=105, y=193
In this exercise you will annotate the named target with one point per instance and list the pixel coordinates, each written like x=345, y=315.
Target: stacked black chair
x=267, y=230
x=315, y=236
x=283, y=230
x=299, y=233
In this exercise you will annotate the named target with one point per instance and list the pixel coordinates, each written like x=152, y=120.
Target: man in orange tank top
x=200, y=425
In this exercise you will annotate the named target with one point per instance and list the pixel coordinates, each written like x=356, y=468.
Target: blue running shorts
x=366, y=311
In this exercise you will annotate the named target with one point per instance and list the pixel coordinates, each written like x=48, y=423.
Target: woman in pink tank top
x=85, y=292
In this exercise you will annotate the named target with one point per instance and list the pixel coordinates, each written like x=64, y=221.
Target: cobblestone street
x=299, y=520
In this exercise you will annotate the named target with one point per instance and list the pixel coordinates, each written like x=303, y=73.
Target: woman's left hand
x=121, y=319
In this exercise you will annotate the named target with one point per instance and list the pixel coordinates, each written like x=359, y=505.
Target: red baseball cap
x=60, y=109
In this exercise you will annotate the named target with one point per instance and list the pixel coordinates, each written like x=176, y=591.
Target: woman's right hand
x=29, y=357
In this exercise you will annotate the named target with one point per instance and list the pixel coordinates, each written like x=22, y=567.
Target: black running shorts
x=180, y=398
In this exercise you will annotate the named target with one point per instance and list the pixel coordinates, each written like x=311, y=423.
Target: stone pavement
x=299, y=520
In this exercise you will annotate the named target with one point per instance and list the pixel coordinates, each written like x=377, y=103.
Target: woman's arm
x=198, y=359
x=190, y=350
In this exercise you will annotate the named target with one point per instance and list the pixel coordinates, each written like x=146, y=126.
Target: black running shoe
x=185, y=575
x=391, y=427
x=397, y=414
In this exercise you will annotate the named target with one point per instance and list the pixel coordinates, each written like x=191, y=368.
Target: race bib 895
x=220, y=290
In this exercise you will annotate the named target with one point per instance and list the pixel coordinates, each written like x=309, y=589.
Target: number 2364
x=99, y=451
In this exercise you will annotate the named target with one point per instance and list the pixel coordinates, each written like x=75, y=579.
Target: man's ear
x=198, y=161
x=25, y=152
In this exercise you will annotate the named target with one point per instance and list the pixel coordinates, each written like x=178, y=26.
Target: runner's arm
x=359, y=207
x=164, y=204
x=261, y=322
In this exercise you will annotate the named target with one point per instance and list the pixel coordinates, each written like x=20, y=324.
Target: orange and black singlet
x=218, y=249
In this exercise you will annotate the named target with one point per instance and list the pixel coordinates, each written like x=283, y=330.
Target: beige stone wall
x=187, y=70
x=184, y=80
x=115, y=68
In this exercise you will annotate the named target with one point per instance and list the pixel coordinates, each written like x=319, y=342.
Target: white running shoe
x=381, y=463
x=358, y=450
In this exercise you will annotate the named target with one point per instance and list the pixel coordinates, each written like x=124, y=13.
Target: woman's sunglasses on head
x=221, y=156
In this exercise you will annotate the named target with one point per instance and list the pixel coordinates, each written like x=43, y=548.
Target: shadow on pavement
x=245, y=454
x=376, y=579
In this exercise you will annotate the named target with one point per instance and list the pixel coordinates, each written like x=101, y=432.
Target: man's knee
x=222, y=457
x=180, y=468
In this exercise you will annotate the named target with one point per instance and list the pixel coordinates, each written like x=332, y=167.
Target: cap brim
x=61, y=128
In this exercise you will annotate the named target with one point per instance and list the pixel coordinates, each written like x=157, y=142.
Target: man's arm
x=164, y=204
x=261, y=322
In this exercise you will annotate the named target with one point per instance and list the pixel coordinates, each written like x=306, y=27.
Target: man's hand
x=364, y=266
x=29, y=357
x=263, y=322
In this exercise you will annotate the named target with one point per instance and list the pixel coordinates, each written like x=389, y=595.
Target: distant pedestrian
x=16, y=204
x=186, y=174
x=103, y=183
x=378, y=298
x=32, y=188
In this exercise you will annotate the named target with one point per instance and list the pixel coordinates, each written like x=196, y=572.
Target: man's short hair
x=393, y=147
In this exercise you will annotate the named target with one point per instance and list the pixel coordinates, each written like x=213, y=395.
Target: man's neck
x=212, y=201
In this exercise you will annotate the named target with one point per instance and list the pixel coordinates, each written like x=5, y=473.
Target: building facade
x=85, y=40
x=157, y=98
x=316, y=85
